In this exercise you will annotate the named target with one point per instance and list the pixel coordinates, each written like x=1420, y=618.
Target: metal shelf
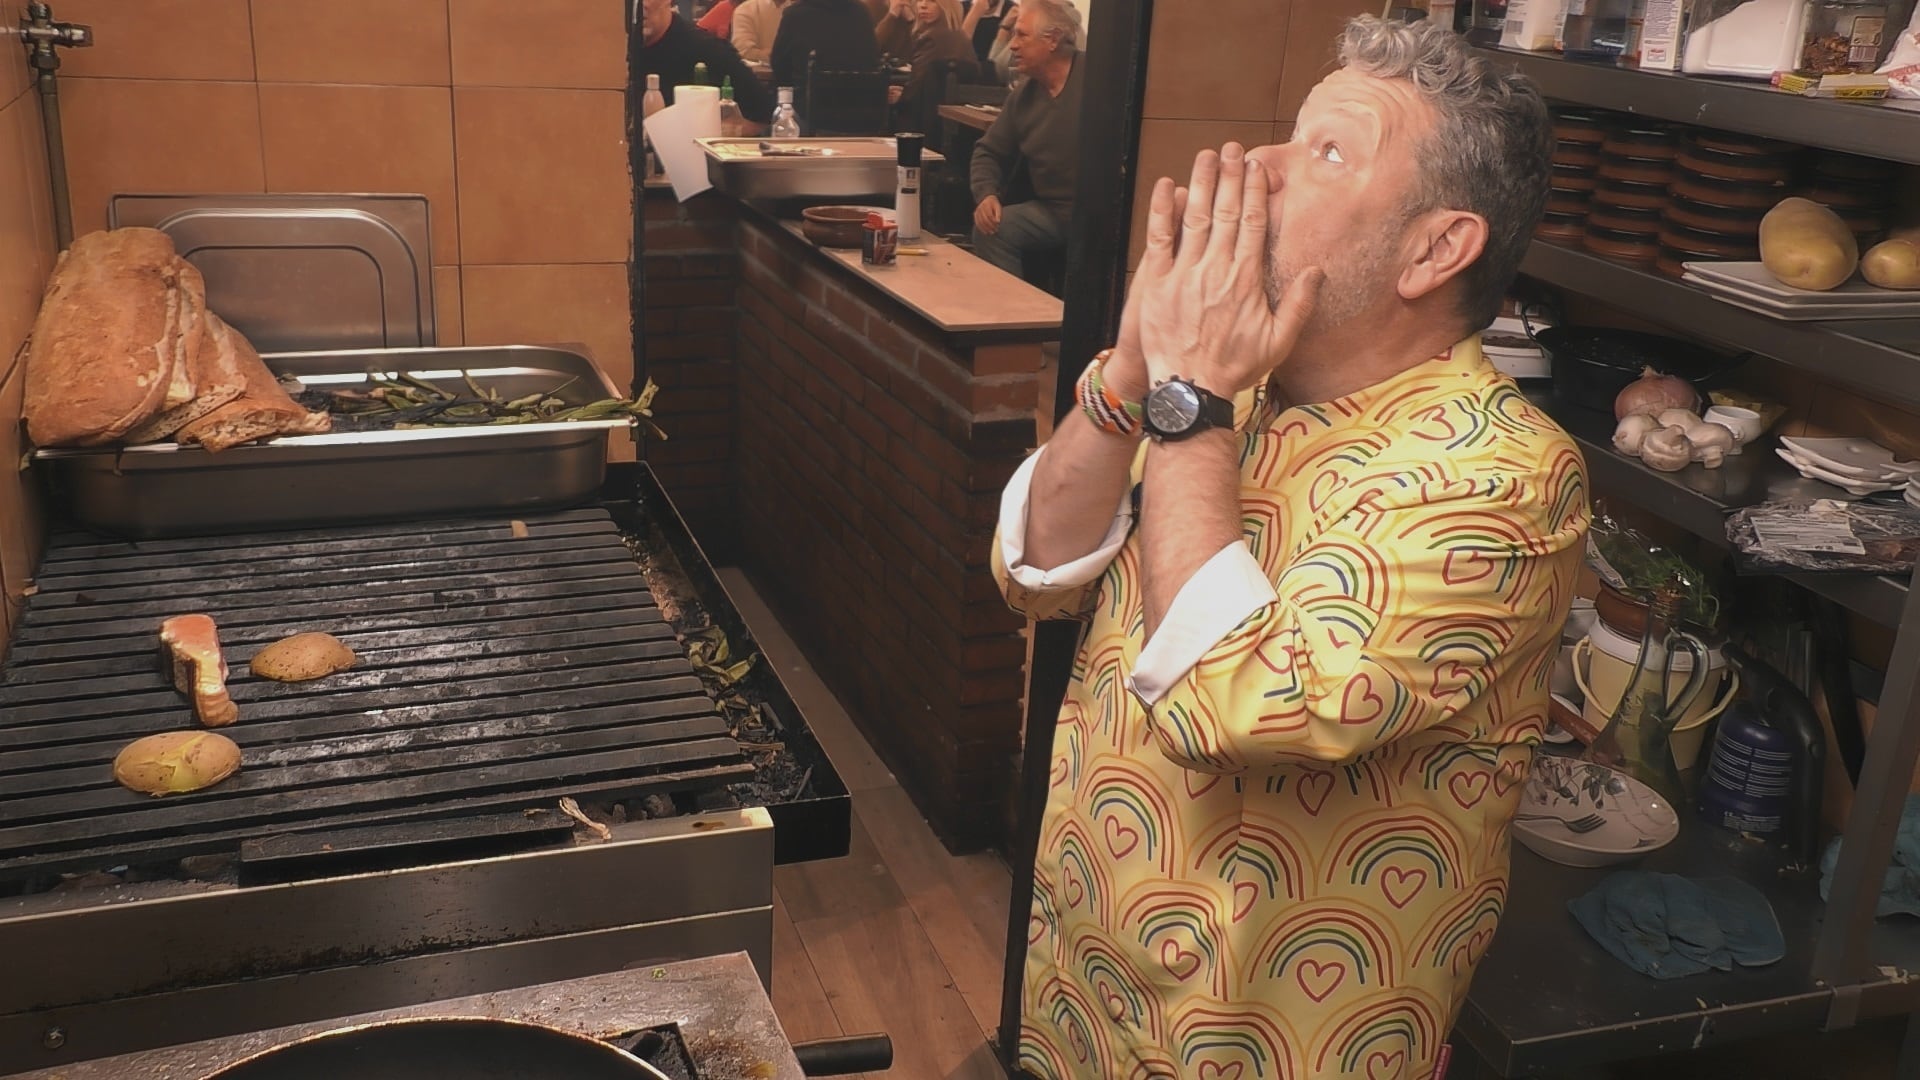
x=1549, y=999
x=1882, y=129
x=1698, y=500
x=1881, y=355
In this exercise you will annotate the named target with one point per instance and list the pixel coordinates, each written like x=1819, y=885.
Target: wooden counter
x=956, y=291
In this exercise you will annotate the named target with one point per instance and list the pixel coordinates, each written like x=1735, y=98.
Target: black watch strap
x=1209, y=410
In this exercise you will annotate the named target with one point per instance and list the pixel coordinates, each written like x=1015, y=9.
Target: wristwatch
x=1177, y=409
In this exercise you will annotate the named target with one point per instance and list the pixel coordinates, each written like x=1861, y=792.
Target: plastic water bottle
x=785, y=124
x=652, y=103
x=906, y=196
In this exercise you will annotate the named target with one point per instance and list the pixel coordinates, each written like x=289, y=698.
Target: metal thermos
x=906, y=199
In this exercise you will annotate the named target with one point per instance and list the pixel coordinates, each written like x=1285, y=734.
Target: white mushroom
x=1666, y=449
x=1680, y=418
x=1632, y=432
x=1711, y=443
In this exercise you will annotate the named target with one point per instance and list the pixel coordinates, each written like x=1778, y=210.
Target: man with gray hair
x=1324, y=551
x=1036, y=135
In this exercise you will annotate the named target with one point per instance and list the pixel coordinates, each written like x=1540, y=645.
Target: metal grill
x=496, y=672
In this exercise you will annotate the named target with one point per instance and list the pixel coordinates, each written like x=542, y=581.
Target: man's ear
x=1443, y=243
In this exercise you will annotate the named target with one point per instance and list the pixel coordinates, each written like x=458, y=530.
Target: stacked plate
x=1859, y=189
x=1857, y=466
x=1578, y=135
x=1749, y=285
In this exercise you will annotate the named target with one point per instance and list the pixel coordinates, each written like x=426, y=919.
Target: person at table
x=838, y=32
x=1325, y=550
x=1038, y=128
x=982, y=23
x=669, y=46
x=924, y=33
x=718, y=21
x=756, y=24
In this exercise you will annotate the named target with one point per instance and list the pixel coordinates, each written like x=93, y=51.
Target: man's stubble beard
x=1353, y=282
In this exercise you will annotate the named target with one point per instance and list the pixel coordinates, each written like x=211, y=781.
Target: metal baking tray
x=301, y=272
x=164, y=489
x=823, y=168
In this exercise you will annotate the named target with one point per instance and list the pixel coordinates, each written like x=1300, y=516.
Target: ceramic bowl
x=834, y=226
x=1581, y=814
x=1746, y=424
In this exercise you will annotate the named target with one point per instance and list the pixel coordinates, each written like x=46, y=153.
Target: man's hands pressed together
x=1199, y=310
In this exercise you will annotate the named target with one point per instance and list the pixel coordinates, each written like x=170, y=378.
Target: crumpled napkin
x=1900, y=889
x=1667, y=926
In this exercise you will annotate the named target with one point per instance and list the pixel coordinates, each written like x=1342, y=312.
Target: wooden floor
x=904, y=939
x=900, y=937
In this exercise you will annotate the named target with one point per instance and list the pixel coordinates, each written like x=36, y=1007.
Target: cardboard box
x=1531, y=24
x=1845, y=87
x=1663, y=34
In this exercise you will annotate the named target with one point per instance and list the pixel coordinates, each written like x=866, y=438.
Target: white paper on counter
x=705, y=100
x=672, y=131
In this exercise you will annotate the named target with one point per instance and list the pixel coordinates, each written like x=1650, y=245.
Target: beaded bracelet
x=1104, y=408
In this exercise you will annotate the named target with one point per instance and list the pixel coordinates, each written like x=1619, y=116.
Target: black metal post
x=1115, y=90
x=637, y=165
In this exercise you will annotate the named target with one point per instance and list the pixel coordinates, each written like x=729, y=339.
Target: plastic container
x=1844, y=37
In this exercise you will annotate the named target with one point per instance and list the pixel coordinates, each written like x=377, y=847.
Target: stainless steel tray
x=169, y=490
x=298, y=272
x=834, y=169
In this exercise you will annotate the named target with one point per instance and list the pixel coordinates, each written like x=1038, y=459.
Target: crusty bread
x=207, y=387
x=261, y=411
x=107, y=341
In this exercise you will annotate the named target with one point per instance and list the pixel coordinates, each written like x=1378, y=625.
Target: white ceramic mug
x=1745, y=424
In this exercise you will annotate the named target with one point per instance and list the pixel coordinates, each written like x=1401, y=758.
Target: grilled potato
x=302, y=657
x=176, y=761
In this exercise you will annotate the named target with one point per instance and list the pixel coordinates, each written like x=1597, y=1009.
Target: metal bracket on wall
x=43, y=37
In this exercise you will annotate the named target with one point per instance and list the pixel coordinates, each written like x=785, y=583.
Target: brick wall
x=869, y=464
x=689, y=326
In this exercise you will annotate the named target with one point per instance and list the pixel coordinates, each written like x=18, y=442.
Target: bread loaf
x=262, y=410
x=206, y=386
x=107, y=342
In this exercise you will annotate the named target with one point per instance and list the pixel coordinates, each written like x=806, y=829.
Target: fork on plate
x=1585, y=824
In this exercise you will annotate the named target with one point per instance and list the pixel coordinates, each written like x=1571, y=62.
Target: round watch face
x=1173, y=407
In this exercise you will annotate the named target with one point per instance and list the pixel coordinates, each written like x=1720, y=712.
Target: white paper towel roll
x=703, y=105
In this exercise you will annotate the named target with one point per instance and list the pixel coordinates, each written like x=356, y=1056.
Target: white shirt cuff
x=1218, y=597
x=1013, y=537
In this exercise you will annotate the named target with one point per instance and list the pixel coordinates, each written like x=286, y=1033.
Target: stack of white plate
x=1858, y=466
x=1749, y=285
x=1913, y=493
x=1510, y=349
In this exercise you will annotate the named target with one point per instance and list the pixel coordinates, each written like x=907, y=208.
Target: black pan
x=482, y=1048
x=443, y=1048
x=1591, y=365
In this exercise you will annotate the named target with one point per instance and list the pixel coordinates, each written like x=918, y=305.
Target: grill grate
x=495, y=673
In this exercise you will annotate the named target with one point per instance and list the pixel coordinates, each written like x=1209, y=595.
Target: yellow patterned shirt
x=1291, y=867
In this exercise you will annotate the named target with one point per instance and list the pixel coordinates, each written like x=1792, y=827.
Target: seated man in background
x=1039, y=129
x=669, y=46
x=756, y=23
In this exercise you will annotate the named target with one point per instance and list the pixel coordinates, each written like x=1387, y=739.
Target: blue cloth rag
x=1900, y=889
x=1668, y=926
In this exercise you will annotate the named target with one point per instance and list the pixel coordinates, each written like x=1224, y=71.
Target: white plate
x=1850, y=485
x=1862, y=457
x=1635, y=819
x=1754, y=277
x=1806, y=312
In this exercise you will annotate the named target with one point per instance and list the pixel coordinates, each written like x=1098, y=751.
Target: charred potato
x=302, y=657
x=175, y=762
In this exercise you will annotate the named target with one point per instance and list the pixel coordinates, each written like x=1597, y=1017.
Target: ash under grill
x=496, y=673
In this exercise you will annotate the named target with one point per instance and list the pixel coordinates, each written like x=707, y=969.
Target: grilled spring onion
x=409, y=402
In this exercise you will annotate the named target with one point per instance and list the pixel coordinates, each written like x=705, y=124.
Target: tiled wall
x=509, y=116
x=26, y=257
x=1229, y=70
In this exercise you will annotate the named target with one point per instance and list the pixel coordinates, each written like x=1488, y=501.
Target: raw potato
x=1893, y=264
x=302, y=657
x=176, y=762
x=1807, y=246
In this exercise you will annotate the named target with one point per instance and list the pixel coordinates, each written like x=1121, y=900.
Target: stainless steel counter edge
x=724, y=1013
